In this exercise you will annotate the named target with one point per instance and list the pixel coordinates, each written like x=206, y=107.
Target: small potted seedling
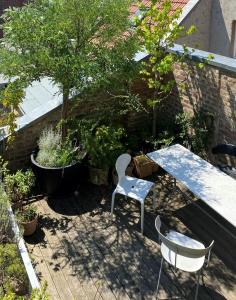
x=28, y=219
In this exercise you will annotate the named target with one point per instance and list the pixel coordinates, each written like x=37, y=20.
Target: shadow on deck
x=83, y=256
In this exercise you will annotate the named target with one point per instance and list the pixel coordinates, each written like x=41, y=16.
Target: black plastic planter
x=60, y=181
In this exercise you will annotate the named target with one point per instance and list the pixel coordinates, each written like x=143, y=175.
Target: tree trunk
x=154, y=120
x=154, y=111
x=64, y=112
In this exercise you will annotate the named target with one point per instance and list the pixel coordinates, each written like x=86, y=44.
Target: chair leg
x=198, y=278
x=159, y=277
x=112, y=203
x=142, y=216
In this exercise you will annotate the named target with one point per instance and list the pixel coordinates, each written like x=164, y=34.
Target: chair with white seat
x=131, y=187
x=182, y=252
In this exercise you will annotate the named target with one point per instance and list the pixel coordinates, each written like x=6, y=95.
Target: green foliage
x=40, y=294
x=195, y=132
x=37, y=294
x=158, y=29
x=54, y=152
x=163, y=139
x=11, y=98
x=4, y=217
x=19, y=185
x=80, y=45
x=26, y=213
x=103, y=145
x=12, y=271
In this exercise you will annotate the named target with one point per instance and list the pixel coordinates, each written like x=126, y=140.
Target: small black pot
x=62, y=180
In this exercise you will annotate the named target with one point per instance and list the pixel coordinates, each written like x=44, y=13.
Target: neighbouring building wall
x=223, y=15
x=200, y=16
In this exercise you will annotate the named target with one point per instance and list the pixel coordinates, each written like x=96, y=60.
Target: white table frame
x=206, y=182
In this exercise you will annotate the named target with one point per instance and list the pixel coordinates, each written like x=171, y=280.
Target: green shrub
x=4, y=217
x=26, y=213
x=53, y=152
x=19, y=185
x=104, y=145
x=37, y=294
x=12, y=271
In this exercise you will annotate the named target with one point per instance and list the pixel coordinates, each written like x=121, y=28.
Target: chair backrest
x=179, y=249
x=122, y=163
x=224, y=149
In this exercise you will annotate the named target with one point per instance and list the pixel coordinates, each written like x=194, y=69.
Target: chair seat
x=182, y=262
x=134, y=188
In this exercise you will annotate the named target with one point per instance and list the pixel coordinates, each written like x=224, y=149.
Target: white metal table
x=205, y=181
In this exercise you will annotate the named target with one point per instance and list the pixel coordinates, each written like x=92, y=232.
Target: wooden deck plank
x=113, y=260
x=63, y=259
x=94, y=273
x=143, y=261
x=81, y=289
x=42, y=271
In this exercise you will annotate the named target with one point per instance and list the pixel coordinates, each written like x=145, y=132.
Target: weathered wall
x=200, y=16
x=214, y=90
x=18, y=153
x=223, y=15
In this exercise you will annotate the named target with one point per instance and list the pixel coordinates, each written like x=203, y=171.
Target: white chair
x=182, y=252
x=129, y=186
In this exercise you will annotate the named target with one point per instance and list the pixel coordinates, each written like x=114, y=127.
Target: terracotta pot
x=30, y=227
x=98, y=176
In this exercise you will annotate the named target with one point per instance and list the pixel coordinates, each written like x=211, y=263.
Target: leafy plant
x=79, y=45
x=104, y=145
x=26, y=214
x=19, y=185
x=158, y=29
x=54, y=152
x=4, y=217
x=163, y=139
x=196, y=131
x=12, y=271
x=37, y=294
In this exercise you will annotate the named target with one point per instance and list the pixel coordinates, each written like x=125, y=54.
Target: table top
x=205, y=181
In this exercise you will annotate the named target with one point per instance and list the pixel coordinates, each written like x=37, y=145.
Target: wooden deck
x=82, y=256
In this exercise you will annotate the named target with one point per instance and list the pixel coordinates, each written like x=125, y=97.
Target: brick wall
x=212, y=89
x=18, y=153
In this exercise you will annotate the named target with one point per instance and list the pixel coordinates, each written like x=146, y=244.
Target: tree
x=81, y=45
x=158, y=29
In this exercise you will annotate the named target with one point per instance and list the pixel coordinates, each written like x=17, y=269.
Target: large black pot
x=60, y=181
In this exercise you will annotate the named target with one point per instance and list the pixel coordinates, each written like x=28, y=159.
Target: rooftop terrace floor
x=82, y=255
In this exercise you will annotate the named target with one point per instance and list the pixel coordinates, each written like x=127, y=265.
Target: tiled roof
x=175, y=4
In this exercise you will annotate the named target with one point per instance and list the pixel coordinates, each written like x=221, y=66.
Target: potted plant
x=28, y=218
x=18, y=186
x=144, y=166
x=103, y=146
x=58, y=165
